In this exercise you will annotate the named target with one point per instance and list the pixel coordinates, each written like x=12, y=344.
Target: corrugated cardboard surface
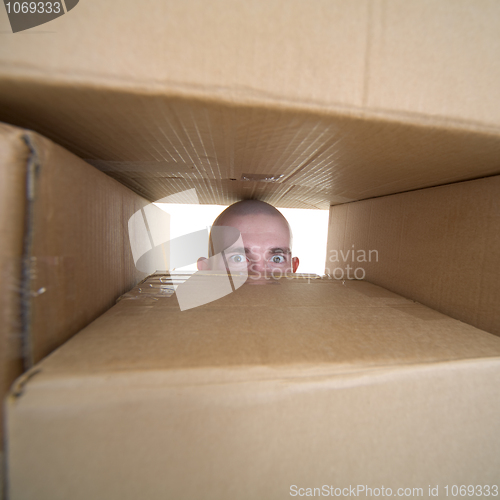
x=439, y=246
x=81, y=248
x=334, y=101
x=75, y=232
x=300, y=382
x=12, y=193
x=64, y=253
x=379, y=55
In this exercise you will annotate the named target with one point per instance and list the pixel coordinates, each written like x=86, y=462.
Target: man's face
x=264, y=246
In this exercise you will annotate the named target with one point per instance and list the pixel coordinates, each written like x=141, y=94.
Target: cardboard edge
x=32, y=170
x=425, y=188
x=235, y=97
x=338, y=376
x=35, y=155
x=14, y=139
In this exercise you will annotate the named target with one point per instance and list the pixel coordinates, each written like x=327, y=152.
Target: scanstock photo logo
x=25, y=15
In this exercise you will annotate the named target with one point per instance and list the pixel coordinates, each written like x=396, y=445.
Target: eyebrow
x=276, y=250
x=280, y=250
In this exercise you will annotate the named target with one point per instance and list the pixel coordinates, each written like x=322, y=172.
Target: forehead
x=259, y=227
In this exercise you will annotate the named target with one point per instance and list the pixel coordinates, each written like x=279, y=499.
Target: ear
x=295, y=264
x=202, y=264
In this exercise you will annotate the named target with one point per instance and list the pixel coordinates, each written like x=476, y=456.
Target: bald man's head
x=266, y=238
x=248, y=207
x=255, y=208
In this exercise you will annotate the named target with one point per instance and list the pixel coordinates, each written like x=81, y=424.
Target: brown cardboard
x=438, y=246
x=13, y=151
x=73, y=229
x=300, y=382
x=301, y=105
x=64, y=254
x=12, y=194
x=336, y=101
x=82, y=253
x=382, y=56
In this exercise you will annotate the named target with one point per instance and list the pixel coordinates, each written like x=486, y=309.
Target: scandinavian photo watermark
x=349, y=260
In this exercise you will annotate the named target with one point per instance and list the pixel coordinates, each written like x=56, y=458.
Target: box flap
x=333, y=101
x=297, y=383
x=440, y=246
x=294, y=323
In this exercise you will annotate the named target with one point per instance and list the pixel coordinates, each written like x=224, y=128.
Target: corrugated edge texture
x=159, y=144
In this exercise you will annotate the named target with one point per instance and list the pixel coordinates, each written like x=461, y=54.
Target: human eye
x=278, y=259
x=238, y=258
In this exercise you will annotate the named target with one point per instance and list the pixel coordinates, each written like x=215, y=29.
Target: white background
x=309, y=228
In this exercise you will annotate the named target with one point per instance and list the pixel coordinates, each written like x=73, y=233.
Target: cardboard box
x=298, y=382
x=304, y=106
x=63, y=248
x=439, y=246
x=377, y=99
